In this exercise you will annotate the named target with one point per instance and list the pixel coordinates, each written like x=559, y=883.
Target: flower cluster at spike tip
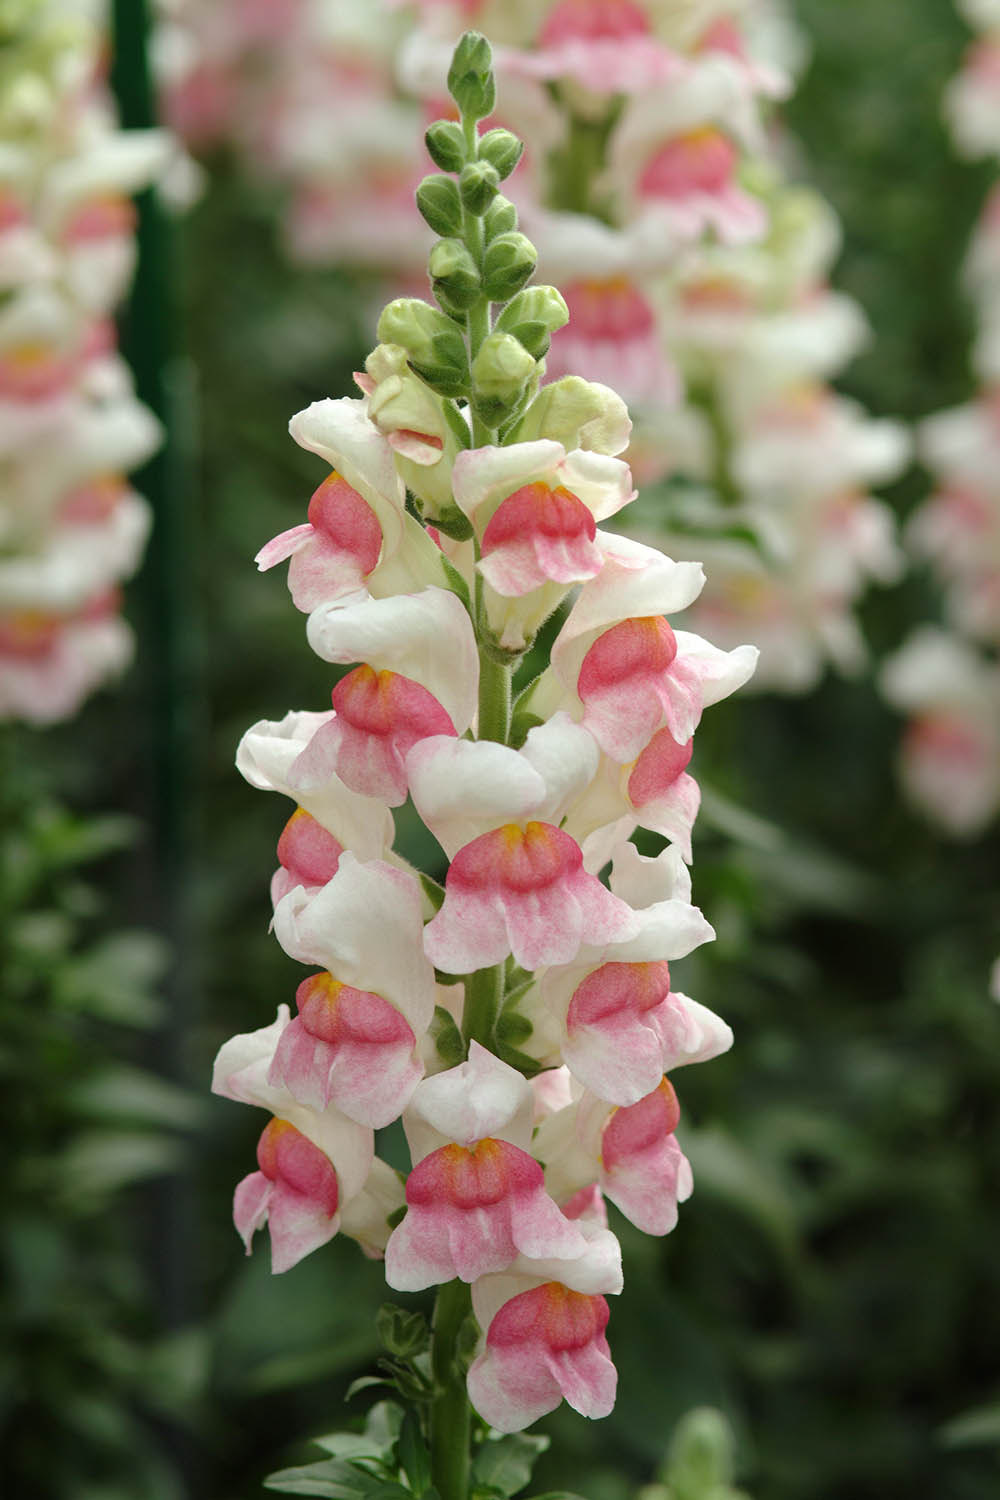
x=71, y=527
x=655, y=188
x=946, y=679
x=519, y=1018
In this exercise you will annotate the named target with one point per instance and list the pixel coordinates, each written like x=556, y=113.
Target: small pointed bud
x=502, y=149
x=478, y=186
x=434, y=345
x=577, y=413
x=454, y=274
x=445, y=142
x=532, y=316
x=500, y=375
x=438, y=201
x=509, y=262
x=470, y=77
x=501, y=217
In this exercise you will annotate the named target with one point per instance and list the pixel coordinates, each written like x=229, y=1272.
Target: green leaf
x=432, y=890
x=414, y=1458
x=505, y=1464
x=980, y=1426
x=334, y=1478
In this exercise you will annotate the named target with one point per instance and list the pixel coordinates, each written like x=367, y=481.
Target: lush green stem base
x=451, y=1414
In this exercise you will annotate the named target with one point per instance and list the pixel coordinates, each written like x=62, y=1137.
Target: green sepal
x=509, y=261
x=440, y=204
x=403, y=1332
x=447, y=1038
x=459, y=426
x=504, y=656
x=502, y=149
x=478, y=186
x=454, y=523
x=500, y=218
x=430, y=887
x=456, y=582
x=445, y=142
x=434, y=345
x=534, y=337
x=395, y=1218
x=454, y=274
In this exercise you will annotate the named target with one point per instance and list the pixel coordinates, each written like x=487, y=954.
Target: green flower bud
x=438, y=201
x=500, y=375
x=402, y=1332
x=454, y=274
x=501, y=217
x=434, y=346
x=509, y=262
x=502, y=149
x=579, y=414
x=478, y=186
x=532, y=316
x=536, y=304
x=445, y=142
x=470, y=77
x=701, y=1453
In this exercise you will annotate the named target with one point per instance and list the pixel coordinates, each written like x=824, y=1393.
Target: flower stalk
x=522, y=1107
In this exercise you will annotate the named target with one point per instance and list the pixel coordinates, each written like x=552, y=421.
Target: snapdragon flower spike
x=543, y=1345
x=477, y=1202
x=420, y=678
x=631, y=1152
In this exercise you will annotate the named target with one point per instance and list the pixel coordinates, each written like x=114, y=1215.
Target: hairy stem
x=450, y=1410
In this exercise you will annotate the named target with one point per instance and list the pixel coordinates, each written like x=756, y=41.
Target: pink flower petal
x=296, y=1192
x=350, y=1048
x=645, y=1173
x=471, y=1213
x=543, y=1345
x=522, y=891
x=539, y=534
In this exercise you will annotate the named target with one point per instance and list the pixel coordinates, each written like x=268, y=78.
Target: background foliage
x=833, y=1284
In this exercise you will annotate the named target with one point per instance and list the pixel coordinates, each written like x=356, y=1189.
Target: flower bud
x=470, y=77
x=500, y=375
x=502, y=149
x=536, y=304
x=509, y=262
x=404, y=1333
x=501, y=217
x=532, y=316
x=579, y=414
x=438, y=201
x=454, y=274
x=445, y=142
x=415, y=420
x=434, y=345
x=478, y=186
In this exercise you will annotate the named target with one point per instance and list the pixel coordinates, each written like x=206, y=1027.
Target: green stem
x=494, y=699
x=483, y=999
x=450, y=1410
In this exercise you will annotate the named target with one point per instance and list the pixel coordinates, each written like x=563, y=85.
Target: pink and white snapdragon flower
x=430, y=621
x=71, y=528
